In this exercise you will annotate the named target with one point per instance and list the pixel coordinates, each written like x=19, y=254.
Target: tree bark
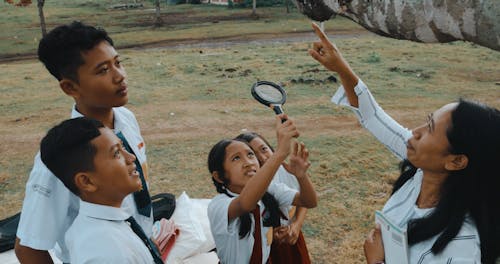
x=477, y=21
x=42, y=17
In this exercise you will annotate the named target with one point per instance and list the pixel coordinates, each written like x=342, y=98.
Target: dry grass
x=186, y=100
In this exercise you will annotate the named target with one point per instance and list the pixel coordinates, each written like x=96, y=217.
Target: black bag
x=163, y=205
x=8, y=229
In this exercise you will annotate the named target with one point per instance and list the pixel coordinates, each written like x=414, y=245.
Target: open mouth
x=250, y=173
x=122, y=91
x=134, y=173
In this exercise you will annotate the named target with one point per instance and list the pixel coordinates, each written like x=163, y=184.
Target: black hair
x=216, y=164
x=474, y=190
x=249, y=136
x=66, y=149
x=61, y=49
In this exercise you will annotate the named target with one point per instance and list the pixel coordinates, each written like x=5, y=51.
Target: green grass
x=21, y=30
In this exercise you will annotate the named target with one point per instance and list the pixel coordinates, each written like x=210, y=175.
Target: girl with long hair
x=248, y=206
x=289, y=245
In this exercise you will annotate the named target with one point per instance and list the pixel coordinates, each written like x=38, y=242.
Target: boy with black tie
x=92, y=162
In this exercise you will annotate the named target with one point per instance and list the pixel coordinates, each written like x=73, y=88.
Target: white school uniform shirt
x=401, y=206
x=100, y=234
x=49, y=207
x=285, y=177
x=230, y=248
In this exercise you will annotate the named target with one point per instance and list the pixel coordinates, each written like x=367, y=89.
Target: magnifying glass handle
x=278, y=110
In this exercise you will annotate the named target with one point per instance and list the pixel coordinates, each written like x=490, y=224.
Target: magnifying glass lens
x=269, y=93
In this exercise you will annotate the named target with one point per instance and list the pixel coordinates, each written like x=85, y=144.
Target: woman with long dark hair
x=448, y=194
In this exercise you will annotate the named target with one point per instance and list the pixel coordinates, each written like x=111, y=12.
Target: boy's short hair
x=66, y=149
x=61, y=49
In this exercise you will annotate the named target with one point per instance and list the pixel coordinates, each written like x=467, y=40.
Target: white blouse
x=401, y=206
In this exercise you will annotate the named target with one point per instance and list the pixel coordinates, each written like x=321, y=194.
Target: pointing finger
x=320, y=33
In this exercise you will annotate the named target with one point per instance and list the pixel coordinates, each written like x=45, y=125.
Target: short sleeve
x=282, y=193
x=48, y=210
x=217, y=215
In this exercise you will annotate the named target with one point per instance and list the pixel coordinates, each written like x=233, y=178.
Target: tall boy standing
x=84, y=61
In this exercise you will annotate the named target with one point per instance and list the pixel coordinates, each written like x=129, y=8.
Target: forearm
x=31, y=256
x=307, y=196
x=300, y=216
x=349, y=80
x=257, y=185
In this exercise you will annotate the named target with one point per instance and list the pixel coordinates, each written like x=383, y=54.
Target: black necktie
x=149, y=244
x=142, y=198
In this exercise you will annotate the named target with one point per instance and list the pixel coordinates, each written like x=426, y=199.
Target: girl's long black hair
x=216, y=163
x=474, y=190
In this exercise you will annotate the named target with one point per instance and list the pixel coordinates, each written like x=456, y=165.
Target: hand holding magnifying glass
x=270, y=94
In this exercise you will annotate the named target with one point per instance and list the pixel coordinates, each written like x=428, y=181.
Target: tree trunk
x=441, y=21
x=42, y=17
x=158, y=20
x=254, y=8
x=287, y=6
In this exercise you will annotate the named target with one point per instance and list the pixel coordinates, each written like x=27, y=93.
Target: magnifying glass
x=270, y=94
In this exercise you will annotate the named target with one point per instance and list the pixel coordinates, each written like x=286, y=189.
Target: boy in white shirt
x=83, y=60
x=92, y=162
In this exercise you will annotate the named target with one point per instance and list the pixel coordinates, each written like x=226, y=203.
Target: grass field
x=188, y=99
x=133, y=27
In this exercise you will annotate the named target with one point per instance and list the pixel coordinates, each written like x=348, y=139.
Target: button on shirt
x=100, y=234
x=230, y=248
x=401, y=206
x=49, y=208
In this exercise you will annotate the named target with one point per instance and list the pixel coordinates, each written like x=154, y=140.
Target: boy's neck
x=99, y=200
x=105, y=115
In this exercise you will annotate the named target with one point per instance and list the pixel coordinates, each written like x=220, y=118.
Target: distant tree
x=40, y=4
x=158, y=20
x=42, y=17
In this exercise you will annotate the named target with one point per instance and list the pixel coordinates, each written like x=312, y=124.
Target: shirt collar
x=104, y=212
x=260, y=203
x=232, y=193
x=118, y=124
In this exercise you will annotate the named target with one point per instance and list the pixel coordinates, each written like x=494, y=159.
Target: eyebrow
x=106, y=62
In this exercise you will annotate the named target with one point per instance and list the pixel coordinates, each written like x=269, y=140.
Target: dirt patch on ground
x=187, y=17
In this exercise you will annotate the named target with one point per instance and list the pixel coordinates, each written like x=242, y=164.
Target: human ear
x=216, y=177
x=85, y=183
x=457, y=162
x=69, y=87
